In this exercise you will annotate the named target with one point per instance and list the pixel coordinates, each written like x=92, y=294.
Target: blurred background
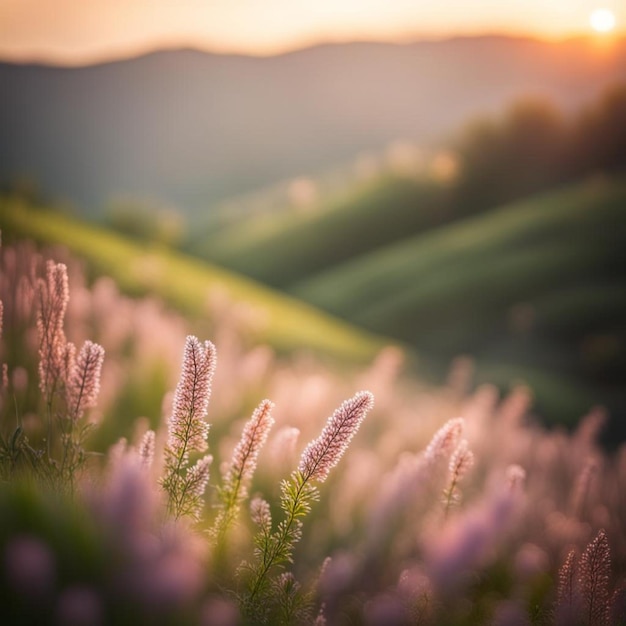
x=449, y=178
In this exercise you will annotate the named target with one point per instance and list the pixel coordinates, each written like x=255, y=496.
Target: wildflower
x=53, y=295
x=146, y=449
x=582, y=487
x=197, y=477
x=187, y=429
x=322, y=454
x=83, y=383
x=567, y=593
x=444, y=440
x=318, y=458
x=594, y=575
x=261, y=514
x=460, y=463
x=242, y=466
x=246, y=453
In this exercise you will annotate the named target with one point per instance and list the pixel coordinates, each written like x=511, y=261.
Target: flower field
x=162, y=472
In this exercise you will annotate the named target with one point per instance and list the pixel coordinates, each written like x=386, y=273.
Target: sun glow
x=602, y=20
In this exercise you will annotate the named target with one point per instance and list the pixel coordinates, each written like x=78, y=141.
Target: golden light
x=602, y=20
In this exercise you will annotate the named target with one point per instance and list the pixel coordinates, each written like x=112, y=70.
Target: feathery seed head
x=68, y=361
x=582, y=487
x=197, y=476
x=566, y=586
x=187, y=429
x=462, y=460
x=53, y=296
x=253, y=437
x=323, y=453
x=146, y=449
x=260, y=513
x=444, y=440
x=83, y=383
x=594, y=576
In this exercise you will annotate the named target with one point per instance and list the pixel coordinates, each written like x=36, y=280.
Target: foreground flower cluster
x=430, y=518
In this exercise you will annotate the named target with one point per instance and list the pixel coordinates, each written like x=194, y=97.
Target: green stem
x=449, y=494
x=268, y=562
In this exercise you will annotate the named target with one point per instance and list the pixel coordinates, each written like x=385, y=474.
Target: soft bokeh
x=75, y=31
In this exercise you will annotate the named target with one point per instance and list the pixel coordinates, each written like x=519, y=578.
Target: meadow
x=120, y=505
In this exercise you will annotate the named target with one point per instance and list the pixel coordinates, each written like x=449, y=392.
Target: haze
x=76, y=32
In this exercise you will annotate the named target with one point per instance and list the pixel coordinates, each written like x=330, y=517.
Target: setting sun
x=602, y=20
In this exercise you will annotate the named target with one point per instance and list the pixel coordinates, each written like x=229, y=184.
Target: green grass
x=533, y=291
x=186, y=283
x=283, y=249
x=482, y=264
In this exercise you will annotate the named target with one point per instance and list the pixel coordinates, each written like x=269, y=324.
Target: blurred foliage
x=535, y=147
x=536, y=286
x=189, y=284
x=532, y=148
x=146, y=221
x=514, y=260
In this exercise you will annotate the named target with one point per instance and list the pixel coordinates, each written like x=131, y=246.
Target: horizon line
x=69, y=60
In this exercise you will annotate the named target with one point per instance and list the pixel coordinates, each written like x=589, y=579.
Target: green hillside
x=282, y=249
x=185, y=283
x=533, y=291
x=531, y=149
x=563, y=235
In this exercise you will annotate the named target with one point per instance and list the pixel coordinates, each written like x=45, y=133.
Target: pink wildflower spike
x=83, y=384
x=582, y=487
x=261, y=514
x=197, y=476
x=1, y=317
x=53, y=295
x=67, y=362
x=445, y=440
x=462, y=461
x=146, y=449
x=187, y=429
x=246, y=453
x=594, y=576
x=323, y=453
x=567, y=599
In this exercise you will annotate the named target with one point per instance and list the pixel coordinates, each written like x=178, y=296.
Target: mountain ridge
x=147, y=51
x=190, y=129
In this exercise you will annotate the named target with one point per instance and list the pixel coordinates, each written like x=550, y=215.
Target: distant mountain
x=192, y=128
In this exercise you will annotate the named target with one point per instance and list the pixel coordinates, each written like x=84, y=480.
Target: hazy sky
x=79, y=30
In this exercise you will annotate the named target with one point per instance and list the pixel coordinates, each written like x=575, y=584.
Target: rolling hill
x=535, y=288
x=191, y=128
x=281, y=249
x=185, y=283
